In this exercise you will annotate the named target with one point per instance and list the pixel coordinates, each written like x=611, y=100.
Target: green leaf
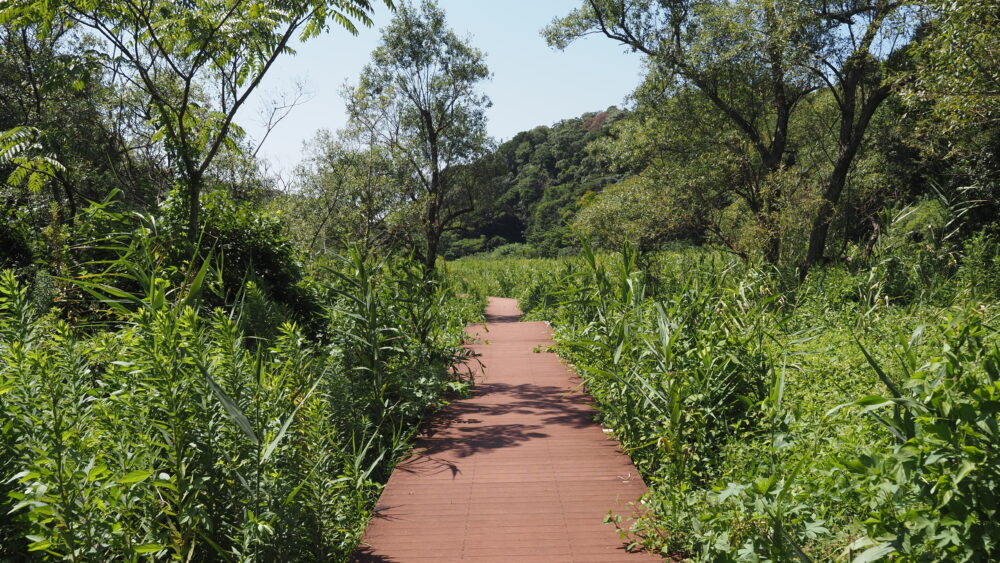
x=733, y=489
x=39, y=544
x=149, y=548
x=97, y=472
x=878, y=370
x=967, y=467
x=288, y=422
x=872, y=402
x=134, y=477
x=197, y=282
x=232, y=409
x=875, y=553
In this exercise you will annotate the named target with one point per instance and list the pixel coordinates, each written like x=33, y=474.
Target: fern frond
x=20, y=148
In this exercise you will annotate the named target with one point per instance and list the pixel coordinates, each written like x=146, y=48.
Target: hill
x=538, y=178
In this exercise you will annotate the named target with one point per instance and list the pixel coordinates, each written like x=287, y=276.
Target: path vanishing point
x=517, y=472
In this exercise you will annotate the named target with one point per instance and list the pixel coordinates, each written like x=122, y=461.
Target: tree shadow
x=553, y=405
x=503, y=311
x=476, y=439
x=366, y=555
x=459, y=430
x=423, y=464
x=503, y=318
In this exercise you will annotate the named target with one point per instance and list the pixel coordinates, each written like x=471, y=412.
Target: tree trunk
x=430, y=256
x=821, y=223
x=432, y=226
x=194, y=209
x=772, y=248
x=852, y=133
x=70, y=200
x=435, y=195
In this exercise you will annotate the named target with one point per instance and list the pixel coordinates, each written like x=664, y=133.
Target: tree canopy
x=754, y=62
x=420, y=96
x=196, y=62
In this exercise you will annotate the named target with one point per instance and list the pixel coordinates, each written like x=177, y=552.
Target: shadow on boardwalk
x=365, y=555
x=503, y=318
x=481, y=439
x=519, y=471
x=544, y=405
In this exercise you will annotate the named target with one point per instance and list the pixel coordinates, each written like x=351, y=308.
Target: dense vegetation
x=796, y=341
x=181, y=378
x=777, y=272
x=538, y=178
x=852, y=417
x=783, y=130
x=182, y=431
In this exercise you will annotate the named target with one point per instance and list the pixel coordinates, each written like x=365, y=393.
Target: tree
x=958, y=68
x=197, y=61
x=860, y=39
x=50, y=85
x=755, y=61
x=953, y=90
x=348, y=189
x=419, y=96
x=686, y=154
x=740, y=56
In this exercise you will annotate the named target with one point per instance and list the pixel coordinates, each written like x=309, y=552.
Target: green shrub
x=980, y=269
x=170, y=432
x=465, y=247
x=250, y=245
x=935, y=493
x=515, y=250
x=725, y=383
x=15, y=249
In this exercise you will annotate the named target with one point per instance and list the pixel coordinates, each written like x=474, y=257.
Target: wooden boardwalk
x=517, y=472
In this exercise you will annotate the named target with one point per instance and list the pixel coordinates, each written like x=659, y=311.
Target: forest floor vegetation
x=852, y=417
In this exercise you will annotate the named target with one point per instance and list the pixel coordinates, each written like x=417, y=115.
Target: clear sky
x=532, y=84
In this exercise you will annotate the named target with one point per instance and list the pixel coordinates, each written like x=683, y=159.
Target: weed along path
x=517, y=472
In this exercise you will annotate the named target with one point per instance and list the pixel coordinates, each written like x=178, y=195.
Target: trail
x=517, y=472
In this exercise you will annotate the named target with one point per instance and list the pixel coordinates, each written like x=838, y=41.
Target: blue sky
x=532, y=84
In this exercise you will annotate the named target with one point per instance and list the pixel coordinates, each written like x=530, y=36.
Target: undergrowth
x=852, y=417
x=167, y=428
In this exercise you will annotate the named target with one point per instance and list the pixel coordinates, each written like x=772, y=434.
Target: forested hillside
x=539, y=178
x=686, y=164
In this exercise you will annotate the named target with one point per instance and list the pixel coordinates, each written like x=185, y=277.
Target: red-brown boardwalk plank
x=517, y=472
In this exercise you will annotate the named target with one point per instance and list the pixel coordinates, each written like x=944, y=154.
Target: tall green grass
x=167, y=430
x=852, y=417
x=525, y=279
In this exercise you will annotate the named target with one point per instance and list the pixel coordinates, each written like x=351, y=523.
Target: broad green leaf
x=232, y=409
x=875, y=553
x=149, y=548
x=872, y=402
x=134, y=477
